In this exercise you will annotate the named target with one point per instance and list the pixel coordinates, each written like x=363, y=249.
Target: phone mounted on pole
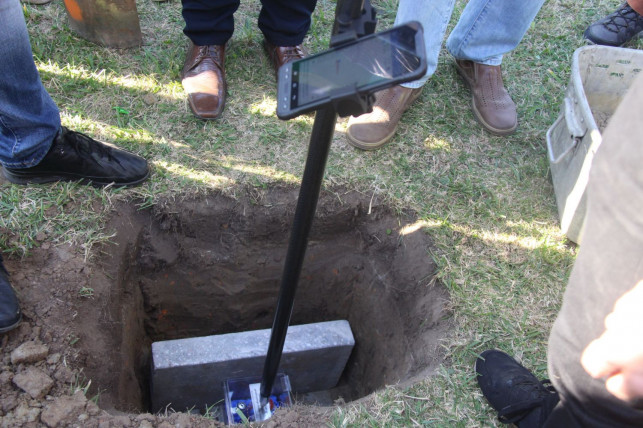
x=346, y=75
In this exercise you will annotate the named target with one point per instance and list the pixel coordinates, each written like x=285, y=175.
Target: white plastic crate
x=600, y=77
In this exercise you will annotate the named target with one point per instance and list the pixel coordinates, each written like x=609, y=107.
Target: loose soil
x=207, y=266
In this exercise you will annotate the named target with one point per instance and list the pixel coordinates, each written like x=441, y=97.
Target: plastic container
x=600, y=77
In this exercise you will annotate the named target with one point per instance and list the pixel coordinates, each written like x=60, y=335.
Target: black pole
x=346, y=12
x=320, y=140
x=353, y=19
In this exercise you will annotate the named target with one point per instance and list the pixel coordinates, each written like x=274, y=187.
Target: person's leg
x=284, y=25
x=29, y=118
x=209, y=22
x=34, y=148
x=434, y=17
x=209, y=25
x=372, y=130
x=286, y=22
x=609, y=264
x=486, y=31
x=618, y=27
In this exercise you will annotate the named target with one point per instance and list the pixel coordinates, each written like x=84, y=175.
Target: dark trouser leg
x=284, y=22
x=209, y=22
x=609, y=264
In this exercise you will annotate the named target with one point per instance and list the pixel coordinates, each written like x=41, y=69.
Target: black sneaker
x=513, y=391
x=617, y=28
x=10, y=314
x=76, y=157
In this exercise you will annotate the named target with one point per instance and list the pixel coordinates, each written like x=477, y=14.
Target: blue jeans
x=29, y=118
x=486, y=30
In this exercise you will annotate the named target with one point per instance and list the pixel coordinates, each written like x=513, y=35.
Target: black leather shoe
x=10, y=314
x=617, y=28
x=76, y=157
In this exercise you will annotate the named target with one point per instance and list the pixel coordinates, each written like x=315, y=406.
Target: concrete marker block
x=190, y=373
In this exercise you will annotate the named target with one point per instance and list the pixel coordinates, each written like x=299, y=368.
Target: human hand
x=617, y=355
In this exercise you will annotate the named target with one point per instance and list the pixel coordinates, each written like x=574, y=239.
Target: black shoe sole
x=589, y=40
x=42, y=179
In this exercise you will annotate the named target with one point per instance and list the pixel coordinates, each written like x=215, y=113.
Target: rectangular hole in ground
x=213, y=266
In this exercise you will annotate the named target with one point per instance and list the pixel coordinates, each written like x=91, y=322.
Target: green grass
x=487, y=201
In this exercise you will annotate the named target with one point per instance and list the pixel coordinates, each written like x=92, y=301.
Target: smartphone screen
x=368, y=63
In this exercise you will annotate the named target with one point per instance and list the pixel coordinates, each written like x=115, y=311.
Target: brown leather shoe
x=371, y=131
x=492, y=105
x=203, y=78
x=280, y=55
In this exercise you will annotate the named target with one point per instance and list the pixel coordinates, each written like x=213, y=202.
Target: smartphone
x=368, y=64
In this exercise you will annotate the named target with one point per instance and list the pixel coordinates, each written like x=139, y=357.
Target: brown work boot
x=371, y=131
x=203, y=78
x=280, y=55
x=492, y=105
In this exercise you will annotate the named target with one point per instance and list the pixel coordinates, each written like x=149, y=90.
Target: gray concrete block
x=191, y=372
